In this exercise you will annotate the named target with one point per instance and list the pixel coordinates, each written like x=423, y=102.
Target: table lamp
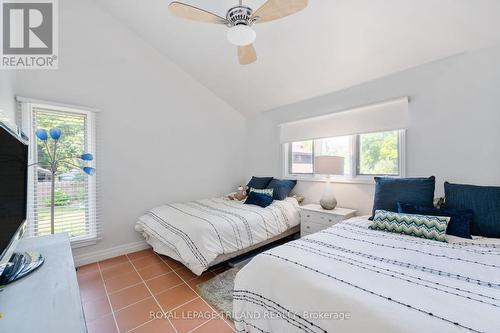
x=328, y=165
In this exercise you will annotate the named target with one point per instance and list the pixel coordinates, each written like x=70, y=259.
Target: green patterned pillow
x=424, y=226
x=266, y=191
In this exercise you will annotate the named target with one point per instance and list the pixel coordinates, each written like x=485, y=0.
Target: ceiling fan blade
x=276, y=9
x=193, y=13
x=246, y=54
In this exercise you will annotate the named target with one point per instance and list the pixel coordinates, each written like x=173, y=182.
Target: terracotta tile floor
x=119, y=294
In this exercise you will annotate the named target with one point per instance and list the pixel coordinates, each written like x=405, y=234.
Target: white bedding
x=349, y=278
x=197, y=232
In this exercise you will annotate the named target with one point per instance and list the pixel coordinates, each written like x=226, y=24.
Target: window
x=301, y=161
x=378, y=154
x=339, y=146
x=75, y=192
x=364, y=155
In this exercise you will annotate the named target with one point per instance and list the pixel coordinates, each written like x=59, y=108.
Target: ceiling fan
x=239, y=19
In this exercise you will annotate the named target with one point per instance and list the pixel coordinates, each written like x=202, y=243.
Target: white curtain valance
x=385, y=116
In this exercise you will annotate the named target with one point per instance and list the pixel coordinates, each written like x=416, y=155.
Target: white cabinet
x=48, y=299
x=314, y=218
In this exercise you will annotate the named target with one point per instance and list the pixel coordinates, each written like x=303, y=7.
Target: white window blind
x=385, y=116
x=76, y=210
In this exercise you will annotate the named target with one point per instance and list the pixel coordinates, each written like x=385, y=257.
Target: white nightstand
x=314, y=218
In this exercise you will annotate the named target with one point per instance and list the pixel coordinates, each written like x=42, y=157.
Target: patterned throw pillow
x=258, y=182
x=266, y=191
x=424, y=226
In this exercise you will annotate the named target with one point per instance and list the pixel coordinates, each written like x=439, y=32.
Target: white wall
x=162, y=137
x=454, y=132
x=7, y=102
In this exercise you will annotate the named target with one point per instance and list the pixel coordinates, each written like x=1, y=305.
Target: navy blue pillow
x=259, y=183
x=415, y=191
x=281, y=188
x=483, y=200
x=259, y=199
x=460, y=220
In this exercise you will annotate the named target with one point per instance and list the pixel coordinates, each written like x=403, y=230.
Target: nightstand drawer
x=320, y=218
x=313, y=218
x=311, y=227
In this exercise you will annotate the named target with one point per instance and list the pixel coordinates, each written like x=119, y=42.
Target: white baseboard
x=119, y=250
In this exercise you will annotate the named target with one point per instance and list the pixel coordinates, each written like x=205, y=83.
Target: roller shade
x=383, y=116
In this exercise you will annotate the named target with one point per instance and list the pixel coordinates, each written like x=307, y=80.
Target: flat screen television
x=13, y=187
x=13, y=207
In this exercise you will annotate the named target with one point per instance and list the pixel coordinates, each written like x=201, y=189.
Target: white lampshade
x=241, y=35
x=329, y=165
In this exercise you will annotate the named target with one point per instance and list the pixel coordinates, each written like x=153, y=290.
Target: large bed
x=349, y=278
x=205, y=232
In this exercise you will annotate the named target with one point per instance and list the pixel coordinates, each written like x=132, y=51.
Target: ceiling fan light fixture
x=241, y=35
x=239, y=19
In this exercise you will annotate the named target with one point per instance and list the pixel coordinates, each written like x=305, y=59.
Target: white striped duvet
x=197, y=232
x=349, y=278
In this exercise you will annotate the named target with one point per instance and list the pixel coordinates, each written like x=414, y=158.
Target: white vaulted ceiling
x=332, y=45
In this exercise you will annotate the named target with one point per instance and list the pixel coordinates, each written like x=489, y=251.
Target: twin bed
x=203, y=233
x=347, y=278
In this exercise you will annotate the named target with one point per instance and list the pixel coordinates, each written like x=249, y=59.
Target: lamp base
x=328, y=204
x=328, y=200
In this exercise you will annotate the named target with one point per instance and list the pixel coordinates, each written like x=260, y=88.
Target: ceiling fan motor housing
x=240, y=15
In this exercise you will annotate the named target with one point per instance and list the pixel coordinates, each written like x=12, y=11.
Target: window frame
x=26, y=108
x=353, y=176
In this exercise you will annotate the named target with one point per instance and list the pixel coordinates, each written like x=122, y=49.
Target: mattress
x=196, y=233
x=349, y=278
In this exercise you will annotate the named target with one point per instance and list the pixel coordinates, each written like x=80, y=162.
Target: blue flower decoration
x=89, y=171
x=55, y=133
x=87, y=157
x=42, y=134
